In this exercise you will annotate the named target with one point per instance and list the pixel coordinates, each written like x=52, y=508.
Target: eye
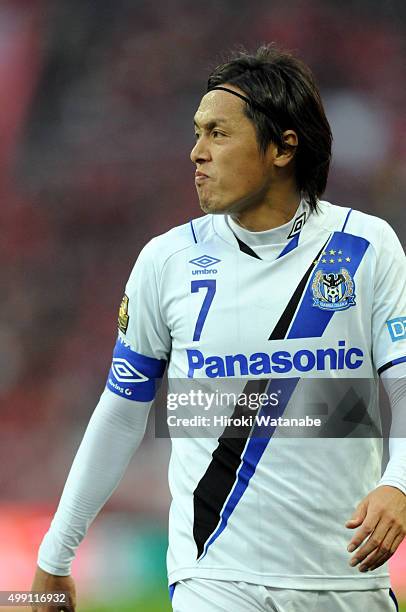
x=196, y=135
x=216, y=133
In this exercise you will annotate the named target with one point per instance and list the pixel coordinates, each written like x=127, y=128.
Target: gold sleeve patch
x=123, y=316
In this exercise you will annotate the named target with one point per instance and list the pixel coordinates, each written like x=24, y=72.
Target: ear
x=285, y=155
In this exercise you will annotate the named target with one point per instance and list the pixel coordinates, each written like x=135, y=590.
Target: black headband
x=253, y=103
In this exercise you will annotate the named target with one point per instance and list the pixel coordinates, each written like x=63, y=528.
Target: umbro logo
x=205, y=263
x=297, y=225
x=125, y=372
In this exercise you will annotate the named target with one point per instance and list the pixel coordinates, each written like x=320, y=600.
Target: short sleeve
x=144, y=341
x=389, y=303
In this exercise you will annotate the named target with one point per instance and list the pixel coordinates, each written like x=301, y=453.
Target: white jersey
x=322, y=297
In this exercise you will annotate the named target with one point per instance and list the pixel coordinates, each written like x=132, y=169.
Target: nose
x=200, y=152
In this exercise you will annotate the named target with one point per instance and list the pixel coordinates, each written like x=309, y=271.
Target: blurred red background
x=97, y=101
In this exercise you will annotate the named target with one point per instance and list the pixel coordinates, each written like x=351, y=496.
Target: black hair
x=286, y=88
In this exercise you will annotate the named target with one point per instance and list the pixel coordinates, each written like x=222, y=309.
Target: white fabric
x=287, y=528
x=202, y=595
x=115, y=431
x=268, y=244
x=394, y=381
x=303, y=491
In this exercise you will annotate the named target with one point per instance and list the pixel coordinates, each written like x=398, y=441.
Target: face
x=235, y=174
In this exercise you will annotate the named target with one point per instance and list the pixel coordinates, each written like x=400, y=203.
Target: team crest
x=123, y=315
x=333, y=290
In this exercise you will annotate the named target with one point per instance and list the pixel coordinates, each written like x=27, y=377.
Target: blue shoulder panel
x=342, y=255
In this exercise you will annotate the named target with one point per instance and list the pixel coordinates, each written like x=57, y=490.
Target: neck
x=274, y=212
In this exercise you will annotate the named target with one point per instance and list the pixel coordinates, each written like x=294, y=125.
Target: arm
x=115, y=431
x=381, y=515
x=116, y=427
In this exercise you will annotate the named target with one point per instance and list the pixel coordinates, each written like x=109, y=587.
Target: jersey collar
x=277, y=235
x=230, y=231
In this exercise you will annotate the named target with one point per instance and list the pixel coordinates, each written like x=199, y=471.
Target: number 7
x=196, y=285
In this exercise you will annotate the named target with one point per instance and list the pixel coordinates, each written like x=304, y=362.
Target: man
x=274, y=289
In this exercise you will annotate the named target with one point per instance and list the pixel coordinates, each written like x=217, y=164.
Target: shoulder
x=352, y=221
x=180, y=238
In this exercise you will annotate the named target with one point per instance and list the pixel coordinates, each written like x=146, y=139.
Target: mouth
x=200, y=177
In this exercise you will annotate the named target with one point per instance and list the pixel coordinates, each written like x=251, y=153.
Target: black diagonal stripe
x=385, y=367
x=246, y=249
x=215, y=485
x=282, y=326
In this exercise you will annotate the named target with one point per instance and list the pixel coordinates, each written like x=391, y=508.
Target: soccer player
x=278, y=291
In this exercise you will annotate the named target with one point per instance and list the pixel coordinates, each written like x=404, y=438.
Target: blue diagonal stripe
x=254, y=450
x=292, y=244
x=311, y=321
